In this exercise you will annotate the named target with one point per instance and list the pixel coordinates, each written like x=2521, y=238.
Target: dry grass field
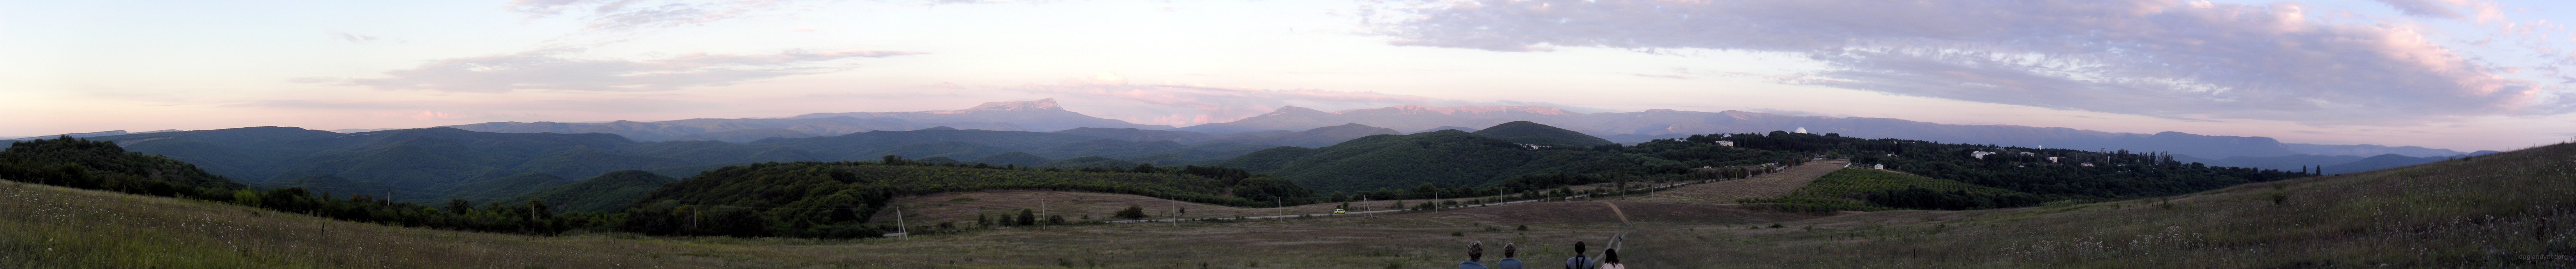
x=1771, y=185
x=2510, y=210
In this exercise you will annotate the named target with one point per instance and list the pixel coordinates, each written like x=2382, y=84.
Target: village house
x=1981, y=155
x=1726, y=143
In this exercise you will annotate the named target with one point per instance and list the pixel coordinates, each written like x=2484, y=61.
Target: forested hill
x=1451, y=158
x=1525, y=132
x=833, y=199
x=78, y=163
x=605, y=192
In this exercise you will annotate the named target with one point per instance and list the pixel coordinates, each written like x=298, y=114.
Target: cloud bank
x=556, y=69
x=2144, y=57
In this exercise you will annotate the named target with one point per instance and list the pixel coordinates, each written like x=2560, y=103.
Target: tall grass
x=2505, y=210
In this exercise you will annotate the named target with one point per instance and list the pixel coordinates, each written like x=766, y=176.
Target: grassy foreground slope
x=2515, y=209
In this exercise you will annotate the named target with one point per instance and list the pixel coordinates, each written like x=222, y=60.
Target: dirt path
x=1763, y=186
x=1614, y=209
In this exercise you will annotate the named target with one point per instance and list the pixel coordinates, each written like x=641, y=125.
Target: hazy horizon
x=2465, y=75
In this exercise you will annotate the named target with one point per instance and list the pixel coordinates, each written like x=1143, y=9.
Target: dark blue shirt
x=1470, y=265
x=1508, y=263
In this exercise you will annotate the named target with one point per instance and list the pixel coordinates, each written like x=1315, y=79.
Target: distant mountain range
x=1303, y=127
x=1042, y=115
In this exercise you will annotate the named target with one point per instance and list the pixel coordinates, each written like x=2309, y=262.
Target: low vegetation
x=1871, y=190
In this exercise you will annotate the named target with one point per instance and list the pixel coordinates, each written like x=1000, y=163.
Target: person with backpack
x=1508, y=262
x=1475, y=251
x=1578, y=261
x=1610, y=259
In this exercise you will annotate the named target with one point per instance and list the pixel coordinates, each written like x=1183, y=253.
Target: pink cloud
x=556, y=69
x=2161, y=58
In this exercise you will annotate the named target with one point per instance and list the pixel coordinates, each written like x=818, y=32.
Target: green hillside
x=335, y=187
x=498, y=189
x=102, y=165
x=1087, y=162
x=599, y=194
x=92, y=164
x=950, y=149
x=1526, y=132
x=870, y=145
x=1013, y=158
x=1107, y=148
x=1445, y=158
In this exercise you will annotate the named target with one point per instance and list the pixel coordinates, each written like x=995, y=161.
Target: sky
x=2456, y=74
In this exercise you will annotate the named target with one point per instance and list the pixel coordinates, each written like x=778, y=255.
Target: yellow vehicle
x=1338, y=211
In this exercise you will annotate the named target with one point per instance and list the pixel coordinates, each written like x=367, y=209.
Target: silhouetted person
x=1509, y=262
x=1578, y=261
x=1475, y=251
x=1610, y=259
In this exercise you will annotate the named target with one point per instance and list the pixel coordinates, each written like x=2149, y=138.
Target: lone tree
x=1028, y=218
x=1132, y=212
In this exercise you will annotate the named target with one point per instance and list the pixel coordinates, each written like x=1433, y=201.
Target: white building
x=1981, y=155
x=1878, y=166
x=1802, y=130
x=1726, y=143
x=2053, y=159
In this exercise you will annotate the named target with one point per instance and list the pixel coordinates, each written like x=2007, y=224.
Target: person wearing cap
x=1475, y=250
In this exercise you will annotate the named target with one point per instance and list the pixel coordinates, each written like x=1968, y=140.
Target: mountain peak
x=1040, y=104
x=1285, y=110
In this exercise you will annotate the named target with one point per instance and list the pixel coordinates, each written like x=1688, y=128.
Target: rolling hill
x=1525, y=132
x=1446, y=158
x=598, y=194
x=1040, y=115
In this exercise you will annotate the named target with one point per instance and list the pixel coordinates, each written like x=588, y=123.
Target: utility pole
x=899, y=227
x=1042, y=215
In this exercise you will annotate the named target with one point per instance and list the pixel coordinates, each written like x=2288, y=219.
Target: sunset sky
x=2457, y=74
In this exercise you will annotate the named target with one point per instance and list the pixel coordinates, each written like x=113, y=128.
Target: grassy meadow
x=2510, y=210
